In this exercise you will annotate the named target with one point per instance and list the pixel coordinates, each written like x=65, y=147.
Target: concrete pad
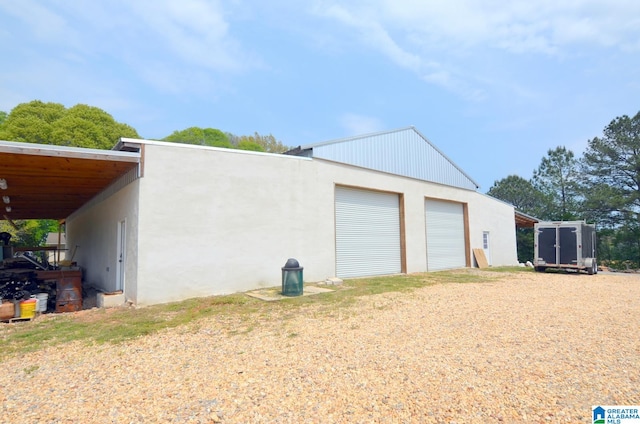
x=275, y=293
x=333, y=281
x=110, y=300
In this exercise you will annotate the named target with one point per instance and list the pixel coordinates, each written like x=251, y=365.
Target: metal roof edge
x=506, y=203
x=353, y=137
x=66, y=151
x=446, y=157
x=499, y=200
x=130, y=142
x=533, y=218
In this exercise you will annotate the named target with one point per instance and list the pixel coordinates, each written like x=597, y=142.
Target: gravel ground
x=533, y=348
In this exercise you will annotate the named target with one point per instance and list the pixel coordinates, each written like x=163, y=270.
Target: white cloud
x=44, y=24
x=479, y=49
x=165, y=43
x=355, y=124
x=372, y=32
x=194, y=30
x=542, y=26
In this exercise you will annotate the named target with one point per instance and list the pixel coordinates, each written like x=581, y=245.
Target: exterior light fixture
x=3, y=184
x=8, y=208
x=6, y=199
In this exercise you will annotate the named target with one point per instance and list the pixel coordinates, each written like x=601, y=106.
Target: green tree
x=29, y=233
x=268, y=142
x=250, y=145
x=203, y=136
x=558, y=178
x=216, y=138
x=52, y=123
x=611, y=165
x=527, y=199
x=522, y=194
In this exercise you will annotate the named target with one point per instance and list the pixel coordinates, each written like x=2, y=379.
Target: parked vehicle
x=565, y=245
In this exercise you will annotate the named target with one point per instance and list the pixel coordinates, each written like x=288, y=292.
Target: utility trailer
x=565, y=245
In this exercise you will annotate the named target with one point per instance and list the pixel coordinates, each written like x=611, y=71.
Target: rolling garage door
x=445, y=235
x=367, y=233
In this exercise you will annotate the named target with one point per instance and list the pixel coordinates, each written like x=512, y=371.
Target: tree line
x=602, y=187
x=91, y=127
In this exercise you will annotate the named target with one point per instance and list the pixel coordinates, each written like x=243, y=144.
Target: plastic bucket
x=28, y=308
x=42, y=298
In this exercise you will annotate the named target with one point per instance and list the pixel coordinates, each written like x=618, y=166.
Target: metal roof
x=403, y=151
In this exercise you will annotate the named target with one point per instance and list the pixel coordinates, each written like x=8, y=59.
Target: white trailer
x=565, y=245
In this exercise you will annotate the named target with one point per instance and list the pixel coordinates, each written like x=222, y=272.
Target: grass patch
x=31, y=369
x=120, y=324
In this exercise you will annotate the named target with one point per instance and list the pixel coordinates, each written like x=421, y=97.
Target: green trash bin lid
x=291, y=264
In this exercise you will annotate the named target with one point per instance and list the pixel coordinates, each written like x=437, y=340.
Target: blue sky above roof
x=493, y=85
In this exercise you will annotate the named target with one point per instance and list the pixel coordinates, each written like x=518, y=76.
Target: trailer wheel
x=590, y=270
x=540, y=269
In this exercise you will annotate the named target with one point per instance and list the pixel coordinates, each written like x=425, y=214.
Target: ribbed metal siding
x=367, y=233
x=445, y=235
x=403, y=152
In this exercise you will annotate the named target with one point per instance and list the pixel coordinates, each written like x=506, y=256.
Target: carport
x=52, y=182
x=524, y=221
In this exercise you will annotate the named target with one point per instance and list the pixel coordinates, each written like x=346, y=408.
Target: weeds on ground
x=120, y=324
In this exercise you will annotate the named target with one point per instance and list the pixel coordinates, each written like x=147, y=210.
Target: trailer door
x=547, y=245
x=568, y=245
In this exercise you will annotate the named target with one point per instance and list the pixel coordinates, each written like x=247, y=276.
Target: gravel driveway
x=528, y=347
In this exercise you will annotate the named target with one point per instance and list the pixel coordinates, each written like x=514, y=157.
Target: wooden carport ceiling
x=51, y=182
x=525, y=221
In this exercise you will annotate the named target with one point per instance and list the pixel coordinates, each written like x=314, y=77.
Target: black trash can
x=292, y=278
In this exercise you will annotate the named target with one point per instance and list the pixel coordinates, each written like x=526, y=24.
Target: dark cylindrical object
x=292, y=278
x=4, y=238
x=7, y=252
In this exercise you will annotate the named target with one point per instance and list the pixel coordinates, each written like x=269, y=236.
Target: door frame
x=486, y=245
x=121, y=254
x=401, y=221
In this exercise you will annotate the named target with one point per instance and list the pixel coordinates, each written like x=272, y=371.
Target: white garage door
x=367, y=233
x=445, y=235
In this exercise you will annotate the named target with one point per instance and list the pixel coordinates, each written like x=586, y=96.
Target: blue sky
x=493, y=84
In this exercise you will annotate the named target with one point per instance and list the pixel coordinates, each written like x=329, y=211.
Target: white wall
x=485, y=213
x=498, y=218
x=94, y=229
x=215, y=221
x=218, y=221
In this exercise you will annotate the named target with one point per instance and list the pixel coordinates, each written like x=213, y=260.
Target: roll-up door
x=445, y=235
x=367, y=233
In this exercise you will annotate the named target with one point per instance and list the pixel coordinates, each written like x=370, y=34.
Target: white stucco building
x=191, y=221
